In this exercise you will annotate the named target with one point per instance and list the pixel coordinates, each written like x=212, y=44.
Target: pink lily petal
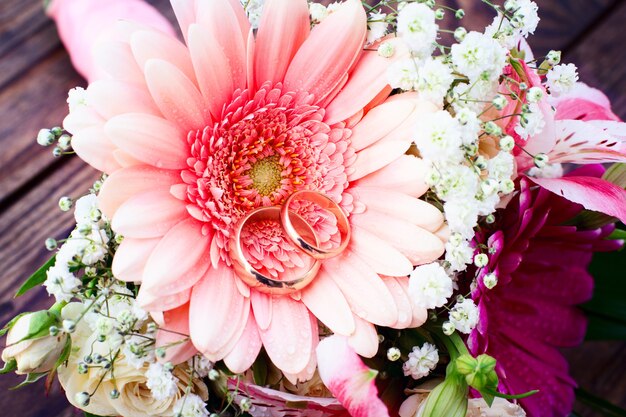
x=284, y=23
x=583, y=103
x=130, y=258
x=592, y=193
x=172, y=332
x=241, y=358
x=341, y=36
x=348, y=379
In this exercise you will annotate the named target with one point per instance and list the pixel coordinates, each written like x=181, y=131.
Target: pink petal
x=150, y=214
x=111, y=98
x=406, y=175
x=262, y=307
x=324, y=299
x=82, y=118
x=179, y=260
x=172, y=333
x=147, y=45
x=218, y=313
x=245, y=352
x=366, y=82
x=176, y=96
x=116, y=59
x=348, y=379
x=242, y=18
x=363, y=288
x=94, y=147
x=288, y=340
x=420, y=314
x=130, y=258
x=185, y=12
x=125, y=160
x=583, y=103
x=377, y=156
x=419, y=245
x=150, y=139
x=128, y=182
x=378, y=254
x=364, y=340
x=592, y=193
x=403, y=301
x=341, y=36
x=283, y=28
x=156, y=303
x=400, y=206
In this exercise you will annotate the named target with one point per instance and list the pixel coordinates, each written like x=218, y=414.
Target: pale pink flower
x=196, y=136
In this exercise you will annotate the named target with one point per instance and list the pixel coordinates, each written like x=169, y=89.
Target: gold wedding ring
x=253, y=277
x=310, y=248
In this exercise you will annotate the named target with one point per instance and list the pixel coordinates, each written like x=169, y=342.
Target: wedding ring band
x=326, y=203
x=253, y=277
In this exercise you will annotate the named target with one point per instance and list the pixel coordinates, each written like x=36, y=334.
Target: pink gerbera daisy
x=541, y=265
x=195, y=136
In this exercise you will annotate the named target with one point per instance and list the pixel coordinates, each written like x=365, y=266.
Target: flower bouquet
x=321, y=210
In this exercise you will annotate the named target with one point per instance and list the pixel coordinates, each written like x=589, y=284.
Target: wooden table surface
x=35, y=75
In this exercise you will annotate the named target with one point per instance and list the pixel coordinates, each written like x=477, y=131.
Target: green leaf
x=37, y=278
x=9, y=366
x=617, y=234
x=30, y=379
x=606, y=408
x=259, y=371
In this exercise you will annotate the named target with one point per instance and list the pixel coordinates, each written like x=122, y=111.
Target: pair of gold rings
x=299, y=233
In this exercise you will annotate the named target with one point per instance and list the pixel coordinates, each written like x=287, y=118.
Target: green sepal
x=90, y=415
x=9, y=366
x=10, y=324
x=450, y=398
x=40, y=325
x=38, y=278
x=30, y=379
x=65, y=354
x=517, y=67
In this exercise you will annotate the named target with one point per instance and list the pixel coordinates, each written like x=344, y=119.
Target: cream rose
x=135, y=399
x=34, y=355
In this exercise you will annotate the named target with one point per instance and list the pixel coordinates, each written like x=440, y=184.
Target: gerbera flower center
x=267, y=145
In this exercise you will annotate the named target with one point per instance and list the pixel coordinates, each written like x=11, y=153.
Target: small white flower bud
x=491, y=128
x=430, y=3
x=499, y=102
x=490, y=280
x=553, y=57
x=490, y=219
x=118, y=238
x=507, y=143
x=168, y=367
x=386, y=50
x=69, y=326
x=541, y=160
x=440, y=13
x=393, y=354
x=511, y=5
x=65, y=141
x=45, y=137
x=507, y=186
x=54, y=331
x=65, y=203
x=152, y=327
x=489, y=186
x=456, y=239
x=114, y=394
x=160, y=352
x=51, y=244
x=448, y=328
x=214, y=375
x=82, y=398
x=480, y=162
x=57, y=151
x=460, y=33
x=83, y=368
x=523, y=86
x=460, y=14
x=245, y=404
x=534, y=95
x=481, y=260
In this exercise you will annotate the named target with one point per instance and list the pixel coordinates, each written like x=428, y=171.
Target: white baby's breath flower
x=430, y=286
x=501, y=167
x=190, y=405
x=473, y=96
x=469, y=125
x=434, y=80
x=532, y=124
x=417, y=27
x=457, y=182
x=403, y=74
x=561, y=79
x=253, y=8
x=318, y=12
x=525, y=16
x=61, y=283
x=438, y=138
x=421, y=361
x=462, y=216
x=464, y=315
x=161, y=382
x=479, y=56
x=201, y=365
x=548, y=171
x=90, y=243
x=86, y=210
x=377, y=26
x=76, y=98
x=459, y=255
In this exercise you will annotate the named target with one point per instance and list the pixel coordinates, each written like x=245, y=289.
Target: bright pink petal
x=150, y=139
x=288, y=340
x=218, y=313
x=378, y=254
x=111, y=98
x=592, y=193
x=94, y=147
x=583, y=103
x=341, y=36
x=130, y=258
x=364, y=290
x=366, y=82
x=179, y=260
x=150, y=214
x=348, y=379
x=406, y=175
x=128, y=182
x=283, y=28
x=174, y=331
x=243, y=355
x=325, y=300
x=176, y=96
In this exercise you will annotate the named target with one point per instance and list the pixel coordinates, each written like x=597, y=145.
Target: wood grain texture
x=35, y=74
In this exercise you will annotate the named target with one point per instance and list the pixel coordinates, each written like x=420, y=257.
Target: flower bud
x=541, y=160
x=45, y=137
x=479, y=372
x=448, y=399
x=459, y=14
x=82, y=398
x=65, y=203
x=393, y=354
x=490, y=280
x=553, y=57
x=460, y=33
x=386, y=50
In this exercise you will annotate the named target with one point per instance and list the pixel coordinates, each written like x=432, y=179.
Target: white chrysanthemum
x=438, y=138
x=417, y=27
x=479, y=55
x=76, y=97
x=421, y=361
x=534, y=123
x=377, y=26
x=501, y=167
x=459, y=255
x=462, y=216
x=457, y=182
x=318, y=12
x=190, y=405
x=464, y=315
x=254, y=9
x=434, y=80
x=403, y=74
x=430, y=286
x=61, y=283
x=474, y=96
x=161, y=382
x=561, y=79
x=548, y=171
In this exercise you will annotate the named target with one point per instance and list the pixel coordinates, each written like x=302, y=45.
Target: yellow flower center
x=266, y=175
